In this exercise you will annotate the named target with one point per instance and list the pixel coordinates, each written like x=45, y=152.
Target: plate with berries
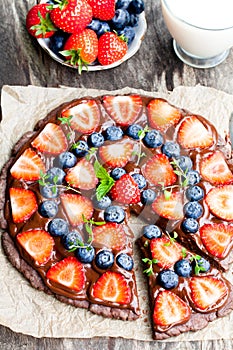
x=101, y=35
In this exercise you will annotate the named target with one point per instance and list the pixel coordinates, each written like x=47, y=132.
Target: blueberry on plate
x=120, y=20
x=72, y=239
x=193, y=177
x=113, y=133
x=168, y=279
x=125, y=261
x=153, y=139
x=96, y=139
x=190, y=225
x=136, y=6
x=183, y=268
x=80, y=149
x=114, y=213
x=57, y=42
x=202, y=265
x=104, y=27
x=85, y=254
x=104, y=259
x=94, y=25
x=128, y=33
x=134, y=20
x=49, y=191
x=152, y=231
x=171, y=149
x=103, y=203
x=122, y=4
x=193, y=210
x=148, y=196
x=65, y=160
x=48, y=209
x=133, y=131
x=194, y=193
x=185, y=163
x=58, y=227
x=140, y=180
x=117, y=173
x=55, y=176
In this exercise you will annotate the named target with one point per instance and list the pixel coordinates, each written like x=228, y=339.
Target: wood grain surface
x=154, y=67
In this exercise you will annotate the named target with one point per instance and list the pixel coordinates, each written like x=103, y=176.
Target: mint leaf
x=106, y=181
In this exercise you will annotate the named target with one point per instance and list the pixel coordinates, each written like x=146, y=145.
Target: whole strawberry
x=111, y=48
x=38, y=21
x=72, y=16
x=103, y=9
x=81, y=49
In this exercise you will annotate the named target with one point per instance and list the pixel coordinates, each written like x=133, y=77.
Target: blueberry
x=152, y=231
x=104, y=259
x=190, y=225
x=48, y=209
x=113, y=133
x=134, y=20
x=104, y=27
x=193, y=210
x=114, y=213
x=140, y=180
x=136, y=6
x=153, y=139
x=148, y=196
x=55, y=176
x=58, y=227
x=125, y=261
x=202, y=264
x=94, y=25
x=81, y=148
x=117, y=173
x=133, y=131
x=122, y=4
x=49, y=191
x=183, y=268
x=193, y=177
x=72, y=239
x=85, y=254
x=65, y=160
x=171, y=149
x=168, y=279
x=120, y=19
x=194, y=193
x=57, y=41
x=128, y=33
x=103, y=203
x=185, y=163
x=95, y=140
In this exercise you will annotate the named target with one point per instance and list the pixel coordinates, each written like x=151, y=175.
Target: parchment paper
x=28, y=311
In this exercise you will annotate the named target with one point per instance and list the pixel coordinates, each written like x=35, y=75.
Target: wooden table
x=154, y=67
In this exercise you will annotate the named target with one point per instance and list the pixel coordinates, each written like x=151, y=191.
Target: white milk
x=203, y=28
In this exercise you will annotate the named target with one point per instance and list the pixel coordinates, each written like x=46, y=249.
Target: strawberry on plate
x=68, y=272
x=38, y=244
x=220, y=202
x=23, y=204
x=125, y=190
x=215, y=169
x=169, y=208
x=165, y=251
x=38, y=22
x=102, y=9
x=28, y=166
x=82, y=176
x=76, y=207
x=51, y=140
x=161, y=115
x=116, y=154
x=113, y=287
x=124, y=110
x=112, y=48
x=110, y=235
x=193, y=134
x=170, y=309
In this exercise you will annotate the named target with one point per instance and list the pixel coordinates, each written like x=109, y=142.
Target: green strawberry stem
x=74, y=59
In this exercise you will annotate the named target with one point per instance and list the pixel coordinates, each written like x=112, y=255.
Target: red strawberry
x=207, y=291
x=116, y=154
x=113, y=287
x=82, y=175
x=193, y=134
x=170, y=309
x=23, y=204
x=51, y=140
x=112, y=48
x=220, y=202
x=158, y=170
x=28, y=166
x=165, y=251
x=38, y=244
x=125, y=190
x=111, y=235
x=68, y=272
x=38, y=21
x=72, y=16
x=161, y=115
x=124, y=110
x=76, y=206
x=217, y=238
x=169, y=208
x=215, y=169
x=102, y=9
x=85, y=116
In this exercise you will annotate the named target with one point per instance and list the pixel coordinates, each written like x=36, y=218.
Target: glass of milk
x=202, y=30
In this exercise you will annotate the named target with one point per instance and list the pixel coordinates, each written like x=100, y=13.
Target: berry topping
x=125, y=190
x=102, y=9
x=165, y=251
x=112, y=48
x=114, y=213
x=113, y=133
x=152, y=231
x=110, y=235
x=23, y=204
x=80, y=148
x=65, y=160
x=82, y=176
x=148, y=196
x=103, y=203
x=169, y=208
x=219, y=201
x=140, y=180
x=184, y=162
x=134, y=131
x=183, y=268
x=85, y=254
x=117, y=173
x=120, y=20
x=125, y=261
x=201, y=265
x=167, y=279
x=96, y=139
x=76, y=207
x=171, y=149
x=49, y=191
x=194, y=193
x=72, y=240
x=193, y=177
x=104, y=259
x=58, y=227
x=116, y=154
x=153, y=139
x=190, y=225
x=48, y=209
x=158, y=170
x=215, y=169
x=193, y=210
x=55, y=176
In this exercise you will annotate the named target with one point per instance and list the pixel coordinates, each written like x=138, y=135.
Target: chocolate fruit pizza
x=71, y=186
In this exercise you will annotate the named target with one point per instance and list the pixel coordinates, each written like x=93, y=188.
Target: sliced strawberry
x=82, y=175
x=215, y=169
x=85, y=116
x=77, y=207
x=116, y=154
x=68, y=272
x=38, y=244
x=220, y=202
x=51, y=140
x=170, y=309
x=161, y=115
x=124, y=110
x=169, y=208
x=193, y=134
x=217, y=238
x=111, y=235
x=23, y=204
x=158, y=170
x=165, y=251
x=207, y=291
x=125, y=190
x=28, y=166
x=112, y=286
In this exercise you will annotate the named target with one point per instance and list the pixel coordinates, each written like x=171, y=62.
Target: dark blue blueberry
x=95, y=140
x=117, y=173
x=128, y=33
x=58, y=227
x=193, y=177
x=153, y=139
x=136, y=6
x=72, y=239
x=185, y=163
x=94, y=25
x=104, y=259
x=113, y=133
x=194, y=193
x=103, y=203
x=134, y=20
x=48, y=209
x=122, y=4
x=55, y=176
x=104, y=27
x=114, y=213
x=125, y=261
x=202, y=264
x=193, y=210
x=133, y=131
x=171, y=149
x=65, y=160
x=140, y=180
x=190, y=225
x=57, y=41
x=120, y=19
x=80, y=149
x=183, y=268
x=168, y=279
x=49, y=191
x=148, y=196
x=152, y=231
x=85, y=254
